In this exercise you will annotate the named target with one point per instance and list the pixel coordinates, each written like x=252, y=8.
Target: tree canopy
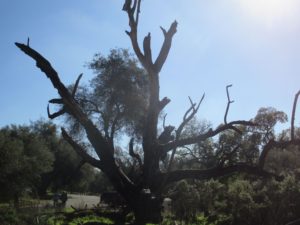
x=24, y=158
x=116, y=98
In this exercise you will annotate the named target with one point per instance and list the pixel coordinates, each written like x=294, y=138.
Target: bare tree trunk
x=16, y=201
x=147, y=209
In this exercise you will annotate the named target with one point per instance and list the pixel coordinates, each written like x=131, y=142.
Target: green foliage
x=117, y=97
x=84, y=220
x=237, y=201
x=56, y=220
x=8, y=216
x=185, y=201
x=24, y=158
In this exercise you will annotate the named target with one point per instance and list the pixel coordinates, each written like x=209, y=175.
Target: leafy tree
x=68, y=171
x=24, y=158
x=144, y=193
x=185, y=201
x=116, y=98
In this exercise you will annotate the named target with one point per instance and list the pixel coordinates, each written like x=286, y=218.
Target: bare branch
x=163, y=30
x=186, y=119
x=81, y=151
x=164, y=121
x=138, y=11
x=76, y=85
x=56, y=101
x=293, y=116
x=163, y=54
x=188, y=116
x=55, y=115
x=133, y=29
x=94, y=135
x=127, y=5
x=147, y=49
x=162, y=103
x=228, y=103
x=61, y=102
x=208, y=134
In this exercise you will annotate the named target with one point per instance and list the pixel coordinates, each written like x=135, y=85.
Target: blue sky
x=252, y=44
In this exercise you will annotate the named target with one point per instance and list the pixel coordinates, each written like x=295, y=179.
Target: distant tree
x=116, y=98
x=24, y=158
x=143, y=194
x=68, y=171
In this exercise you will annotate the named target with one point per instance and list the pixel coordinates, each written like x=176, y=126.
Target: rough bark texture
x=144, y=197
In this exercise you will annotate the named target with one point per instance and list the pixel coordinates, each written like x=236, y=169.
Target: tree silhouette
x=143, y=193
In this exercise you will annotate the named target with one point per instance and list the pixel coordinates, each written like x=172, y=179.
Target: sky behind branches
x=252, y=44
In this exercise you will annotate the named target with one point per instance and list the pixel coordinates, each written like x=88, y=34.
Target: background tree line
x=35, y=159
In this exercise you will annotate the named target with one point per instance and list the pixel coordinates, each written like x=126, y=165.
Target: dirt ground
x=82, y=201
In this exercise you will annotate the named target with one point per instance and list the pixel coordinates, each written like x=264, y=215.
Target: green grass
x=68, y=210
x=83, y=220
x=56, y=220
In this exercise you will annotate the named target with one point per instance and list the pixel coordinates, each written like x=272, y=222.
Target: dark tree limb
x=99, y=143
x=133, y=22
x=56, y=114
x=67, y=99
x=210, y=133
x=138, y=3
x=164, y=51
x=147, y=49
x=60, y=101
x=190, y=113
x=162, y=103
x=228, y=103
x=81, y=151
x=76, y=85
x=217, y=172
x=293, y=116
x=127, y=5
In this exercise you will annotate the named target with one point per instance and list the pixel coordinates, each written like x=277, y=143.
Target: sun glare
x=268, y=11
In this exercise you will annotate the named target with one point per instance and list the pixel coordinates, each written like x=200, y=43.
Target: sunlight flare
x=268, y=11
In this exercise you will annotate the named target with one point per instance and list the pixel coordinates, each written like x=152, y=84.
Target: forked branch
x=59, y=101
x=228, y=103
x=99, y=143
x=188, y=116
x=146, y=58
x=165, y=49
x=94, y=135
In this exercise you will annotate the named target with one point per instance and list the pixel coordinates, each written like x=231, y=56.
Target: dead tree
x=144, y=196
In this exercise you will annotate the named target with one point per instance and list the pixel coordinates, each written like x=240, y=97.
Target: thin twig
x=228, y=103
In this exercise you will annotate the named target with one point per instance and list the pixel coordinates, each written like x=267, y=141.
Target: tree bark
x=147, y=209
